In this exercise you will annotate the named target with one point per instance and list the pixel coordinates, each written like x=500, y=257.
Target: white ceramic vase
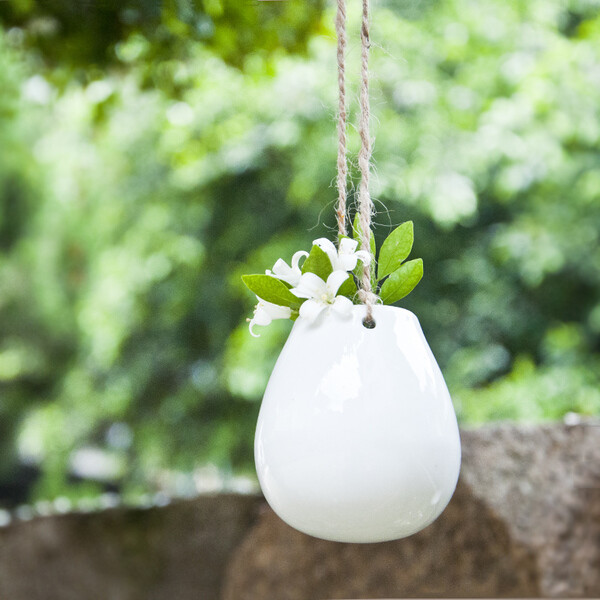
x=357, y=439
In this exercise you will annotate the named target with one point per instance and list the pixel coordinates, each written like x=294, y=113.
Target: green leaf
x=359, y=266
x=343, y=237
x=395, y=249
x=348, y=288
x=272, y=290
x=356, y=233
x=402, y=281
x=317, y=262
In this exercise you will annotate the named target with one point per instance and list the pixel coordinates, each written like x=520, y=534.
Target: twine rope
x=365, y=204
x=342, y=164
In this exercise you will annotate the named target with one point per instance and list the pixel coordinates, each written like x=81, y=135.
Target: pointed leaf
x=272, y=290
x=317, y=262
x=402, y=281
x=395, y=249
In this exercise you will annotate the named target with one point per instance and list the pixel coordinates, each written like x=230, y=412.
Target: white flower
x=291, y=275
x=346, y=257
x=321, y=294
x=265, y=312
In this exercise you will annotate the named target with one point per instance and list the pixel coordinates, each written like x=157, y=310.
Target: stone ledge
x=176, y=552
x=524, y=522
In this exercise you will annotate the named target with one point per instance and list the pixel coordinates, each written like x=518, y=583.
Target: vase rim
x=358, y=312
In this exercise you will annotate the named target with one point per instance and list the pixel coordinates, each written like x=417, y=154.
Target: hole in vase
x=369, y=323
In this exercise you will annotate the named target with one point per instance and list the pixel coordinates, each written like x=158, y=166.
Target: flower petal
x=364, y=256
x=347, y=262
x=342, y=305
x=265, y=312
x=311, y=309
x=277, y=312
x=261, y=316
x=281, y=267
x=310, y=286
x=296, y=258
x=335, y=280
x=252, y=324
x=348, y=246
x=283, y=271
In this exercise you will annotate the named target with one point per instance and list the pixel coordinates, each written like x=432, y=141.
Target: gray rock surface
x=524, y=522
x=544, y=483
x=176, y=552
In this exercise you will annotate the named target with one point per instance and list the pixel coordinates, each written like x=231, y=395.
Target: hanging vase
x=357, y=439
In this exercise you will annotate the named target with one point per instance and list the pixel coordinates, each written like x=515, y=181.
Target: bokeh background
x=151, y=153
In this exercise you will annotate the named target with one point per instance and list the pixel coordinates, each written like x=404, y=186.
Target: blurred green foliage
x=100, y=33
x=147, y=160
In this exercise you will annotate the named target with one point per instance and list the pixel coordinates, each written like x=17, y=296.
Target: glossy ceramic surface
x=357, y=439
